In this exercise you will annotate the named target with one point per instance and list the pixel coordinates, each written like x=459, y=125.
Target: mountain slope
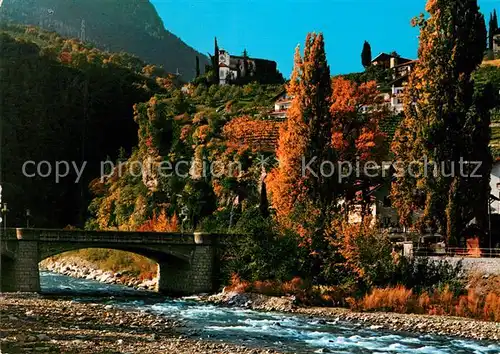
x=132, y=26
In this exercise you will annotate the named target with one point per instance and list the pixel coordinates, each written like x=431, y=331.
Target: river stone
x=42, y=336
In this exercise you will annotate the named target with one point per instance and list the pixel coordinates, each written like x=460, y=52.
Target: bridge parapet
x=8, y=234
x=81, y=236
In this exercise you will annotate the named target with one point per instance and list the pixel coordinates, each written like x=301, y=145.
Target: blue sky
x=271, y=29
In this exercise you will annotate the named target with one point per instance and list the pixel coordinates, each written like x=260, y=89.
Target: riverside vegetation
x=295, y=235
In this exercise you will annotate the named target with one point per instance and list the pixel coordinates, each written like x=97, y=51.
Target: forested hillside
x=62, y=100
x=132, y=26
x=217, y=124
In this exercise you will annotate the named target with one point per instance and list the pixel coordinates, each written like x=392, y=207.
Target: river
x=285, y=332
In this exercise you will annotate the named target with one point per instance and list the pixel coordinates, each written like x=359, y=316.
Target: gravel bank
x=31, y=324
x=439, y=325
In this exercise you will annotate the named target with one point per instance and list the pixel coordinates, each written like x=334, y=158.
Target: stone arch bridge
x=187, y=263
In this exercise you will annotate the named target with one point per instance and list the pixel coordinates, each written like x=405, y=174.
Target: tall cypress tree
x=197, y=66
x=245, y=65
x=366, y=55
x=442, y=113
x=494, y=28
x=215, y=63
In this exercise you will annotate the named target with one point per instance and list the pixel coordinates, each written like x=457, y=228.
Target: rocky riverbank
x=32, y=323
x=79, y=268
x=438, y=325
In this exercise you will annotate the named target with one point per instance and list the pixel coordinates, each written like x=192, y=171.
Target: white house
x=281, y=105
x=401, y=75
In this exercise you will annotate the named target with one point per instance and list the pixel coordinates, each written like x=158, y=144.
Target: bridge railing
x=100, y=236
x=8, y=234
x=458, y=252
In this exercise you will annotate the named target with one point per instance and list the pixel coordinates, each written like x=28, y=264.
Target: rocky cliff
x=131, y=26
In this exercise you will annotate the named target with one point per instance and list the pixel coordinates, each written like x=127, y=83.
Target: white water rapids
x=285, y=332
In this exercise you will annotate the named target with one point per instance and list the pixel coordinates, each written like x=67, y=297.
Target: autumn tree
x=366, y=55
x=444, y=125
x=305, y=136
x=356, y=112
x=161, y=223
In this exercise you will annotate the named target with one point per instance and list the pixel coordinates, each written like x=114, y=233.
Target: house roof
x=281, y=94
x=411, y=62
x=386, y=56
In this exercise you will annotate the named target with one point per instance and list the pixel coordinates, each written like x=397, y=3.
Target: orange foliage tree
x=330, y=122
x=305, y=135
x=161, y=223
x=356, y=137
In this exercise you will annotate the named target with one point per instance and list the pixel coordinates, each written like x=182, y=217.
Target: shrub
x=440, y=302
x=387, y=299
x=238, y=285
x=491, y=309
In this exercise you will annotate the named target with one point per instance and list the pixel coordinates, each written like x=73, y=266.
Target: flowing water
x=290, y=333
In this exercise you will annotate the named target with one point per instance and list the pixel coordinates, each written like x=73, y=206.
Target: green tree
x=215, y=64
x=197, y=66
x=366, y=55
x=443, y=118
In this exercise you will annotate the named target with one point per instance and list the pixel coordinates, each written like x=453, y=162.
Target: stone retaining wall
x=481, y=265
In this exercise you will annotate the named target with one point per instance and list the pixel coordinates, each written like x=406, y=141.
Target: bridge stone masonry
x=187, y=263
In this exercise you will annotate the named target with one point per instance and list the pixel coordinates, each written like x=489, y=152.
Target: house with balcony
x=282, y=103
x=401, y=75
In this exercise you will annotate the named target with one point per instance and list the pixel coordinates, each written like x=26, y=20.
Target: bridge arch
x=166, y=262
x=7, y=269
x=158, y=256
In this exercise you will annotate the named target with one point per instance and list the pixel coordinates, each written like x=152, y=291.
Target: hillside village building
x=496, y=43
x=282, y=104
x=402, y=68
x=233, y=68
